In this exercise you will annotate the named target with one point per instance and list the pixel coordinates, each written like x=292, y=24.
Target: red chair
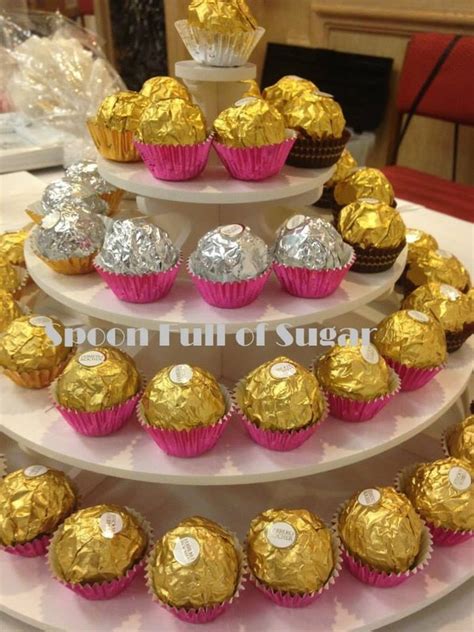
x=450, y=97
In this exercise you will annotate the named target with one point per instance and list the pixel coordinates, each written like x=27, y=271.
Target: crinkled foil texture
x=470, y=296
x=344, y=167
x=441, y=266
x=446, y=304
x=283, y=404
x=27, y=347
x=221, y=16
x=75, y=234
x=418, y=242
x=122, y=111
x=344, y=371
x=172, y=122
x=411, y=342
x=193, y=404
x=208, y=581
x=371, y=225
x=94, y=388
x=159, y=88
x=81, y=554
x=385, y=535
x=311, y=243
x=251, y=122
x=10, y=279
x=9, y=309
x=66, y=193
x=251, y=88
x=33, y=506
x=286, y=89
x=86, y=173
x=437, y=500
x=12, y=246
x=315, y=115
x=460, y=441
x=303, y=567
x=365, y=182
x=226, y=257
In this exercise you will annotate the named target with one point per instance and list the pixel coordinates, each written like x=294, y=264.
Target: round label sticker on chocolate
x=459, y=478
x=181, y=374
x=369, y=497
x=412, y=235
x=449, y=292
x=232, y=230
x=324, y=94
x=419, y=316
x=282, y=370
x=295, y=221
x=91, y=358
x=110, y=524
x=245, y=101
x=281, y=534
x=40, y=321
x=35, y=470
x=50, y=220
x=444, y=254
x=369, y=200
x=186, y=550
x=369, y=353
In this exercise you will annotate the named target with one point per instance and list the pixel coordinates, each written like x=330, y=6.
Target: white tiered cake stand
x=187, y=210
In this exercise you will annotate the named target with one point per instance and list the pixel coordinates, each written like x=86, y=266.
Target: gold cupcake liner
x=71, y=266
x=113, y=200
x=112, y=144
x=37, y=378
x=36, y=217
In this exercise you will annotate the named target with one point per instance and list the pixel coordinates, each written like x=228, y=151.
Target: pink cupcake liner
x=254, y=163
x=411, y=377
x=175, y=162
x=144, y=288
x=306, y=283
x=35, y=548
x=230, y=295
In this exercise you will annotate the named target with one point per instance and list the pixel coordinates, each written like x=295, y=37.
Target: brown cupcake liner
x=37, y=378
x=113, y=200
x=327, y=200
x=112, y=144
x=317, y=154
x=456, y=339
x=371, y=260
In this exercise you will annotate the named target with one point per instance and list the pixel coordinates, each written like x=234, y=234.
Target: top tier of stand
x=191, y=70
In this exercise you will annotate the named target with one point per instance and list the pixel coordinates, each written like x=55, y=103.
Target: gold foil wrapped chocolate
x=440, y=266
x=172, y=122
x=251, y=88
x=159, y=88
x=9, y=309
x=221, y=17
x=251, y=122
x=290, y=550
x=26, y=346
x=443, y=493
x=355, y=371
x=315, y=114
x=448, y=306
x=195, y=565
x=286, y=89
x=12, y=246
x=380, y=527
x=344, y=166
x=10, y=279
x=418, y=242
x=412, y=338
x=182, y=397
x=122, y=111
x=460, y=441
x=33, y=502
x=371, y=224
x=281, y=395
x=97, y=379
x=97, y=544
x=365, y=182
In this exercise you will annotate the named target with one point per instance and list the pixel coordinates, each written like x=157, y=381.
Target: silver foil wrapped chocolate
x=69, y=233
x=86, y=173
x=75, y=195
x=230, y=253
x=136, y=246
x=312, y=243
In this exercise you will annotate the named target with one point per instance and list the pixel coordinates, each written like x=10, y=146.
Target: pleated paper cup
x=23, y=278
x=413, y=378
x=113, y=199
x=309, y=153
x=37, y=378
x=175, y=162
x=112, y=144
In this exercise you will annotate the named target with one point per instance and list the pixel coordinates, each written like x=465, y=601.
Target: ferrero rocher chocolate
x=344, y=166
x=63, y=193
x=12, y=246
x=380, y=528
x=354, y=371
x=365, y=182
x=460, y=441
x=369, y=223
x=172, y=122
x=285, y=89
x=97, y=544
x=221, y=17
x=251, y=122
x=281, y=395
x=33, y=502
x=290, y=550
x=26, y=344
x=159, y=88
x=441, y=266
x=122, y=111
x=10, y=279
x=9, y=309
x=86, y=173
x=443, y=493
x=315, y=114
x=251, y=88
x=412, y=338
x=418, y=241
x=182, y=397
x=447, y=305
x=195, y=565
x=97, y=379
